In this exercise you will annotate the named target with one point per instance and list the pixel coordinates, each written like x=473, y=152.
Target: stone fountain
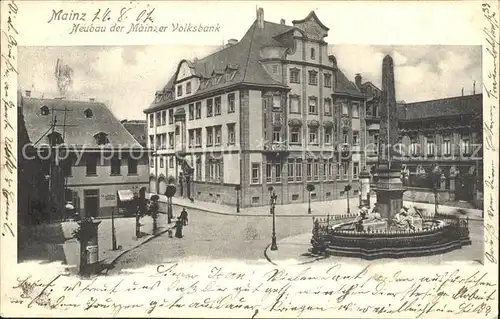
x=389, y=230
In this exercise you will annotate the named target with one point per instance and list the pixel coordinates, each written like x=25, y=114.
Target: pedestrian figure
x=178, y=228
x=184, y=217
x=153, y=209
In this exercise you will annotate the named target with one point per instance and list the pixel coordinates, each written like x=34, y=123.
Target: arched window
x=101, y=138
x=88, y=113
x=44, y=110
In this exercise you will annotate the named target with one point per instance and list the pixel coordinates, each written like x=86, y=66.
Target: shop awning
x=125, y=195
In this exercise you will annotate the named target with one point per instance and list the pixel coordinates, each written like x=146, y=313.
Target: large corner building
x=267, y=110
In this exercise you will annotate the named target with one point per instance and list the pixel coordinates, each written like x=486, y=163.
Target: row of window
x=115, y=165
x=161, y=118
x=312, y=171
x=415, y=147
x=179, y=89
x=213, y=135
x=163, y=161
x=312, y=77
x=161, y=141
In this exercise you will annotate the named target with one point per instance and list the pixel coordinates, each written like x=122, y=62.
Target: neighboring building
x=267, y=110
x=138, y=129
x=446, y=133
x=98, y=158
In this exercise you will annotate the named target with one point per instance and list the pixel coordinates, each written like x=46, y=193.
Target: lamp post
x=310, y=188
x=237, y=188
x=273, y=198
x=347, y=188
x=170, y=192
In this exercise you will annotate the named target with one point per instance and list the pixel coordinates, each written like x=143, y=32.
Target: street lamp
x=270, y=189
x=347, y=188
x=310, y=188
x=237, y=188
x=273, y=198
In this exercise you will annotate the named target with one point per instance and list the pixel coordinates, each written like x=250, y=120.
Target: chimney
x=282, y=21
x=92, y=99
x=27, y=93
x=123, y=121
x=260, y=18
x=231, y=42
x=357, y=80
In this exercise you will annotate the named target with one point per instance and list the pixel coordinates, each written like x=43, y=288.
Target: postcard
x=253, y=159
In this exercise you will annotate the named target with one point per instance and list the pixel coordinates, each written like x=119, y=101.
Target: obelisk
x=389, y=187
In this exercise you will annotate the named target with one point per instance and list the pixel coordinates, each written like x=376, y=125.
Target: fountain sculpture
x=389, y=229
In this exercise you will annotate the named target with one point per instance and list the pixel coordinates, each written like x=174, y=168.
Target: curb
x=151, y=237
x=269, y=215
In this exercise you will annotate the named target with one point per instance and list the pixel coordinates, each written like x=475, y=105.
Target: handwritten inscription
x=9, y=115
x=490, y=129
x=175, y=289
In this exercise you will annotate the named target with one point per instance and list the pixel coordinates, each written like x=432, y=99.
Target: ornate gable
x=185, y=70
x=312, y=26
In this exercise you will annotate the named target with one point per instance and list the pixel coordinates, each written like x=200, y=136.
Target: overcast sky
x=127, y=77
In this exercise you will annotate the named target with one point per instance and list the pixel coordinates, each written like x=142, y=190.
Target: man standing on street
x=184, y=217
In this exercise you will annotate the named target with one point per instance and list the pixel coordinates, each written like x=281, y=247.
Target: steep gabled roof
x=80, y=130
x=346, y=87
x=312, y=15
x=453, y=106
x=138, y=129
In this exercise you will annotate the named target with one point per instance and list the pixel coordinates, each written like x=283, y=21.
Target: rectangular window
x=328, y=135
x=171, y=116
x=277, y=134
x=313, y=135
x=316, y=170
x=447, y=146
x=179, y=90
x=275, y=69
x=171, y=140
x=132, y=166
x=188, y=88
x=291, y=166
x=313, y=107
x=277, y=171
x=191, y=138
x=91, y=165
x=345, y=167
x=161, y=161
x=414, y=147
x=269, y=173
x=230, y=103
x=294, y=76
x=355, y=110
x=231, y=133
x=158, y=119
x=430, y=147
x=465, y=146
x=210, y=137
x=295, y=135
x=346, y=138
x=276, y=103
x=116, y=164
x=328, y=106
x=255, y=173
x=171, y=162
x=210, y=105
x=313, y=78
x=218, y=134
x=355, y=138
x=345, y=109
x=217, y=105
x=198, y=170
x=198, y=137
x=198, y=110
x=328, y=80
x=163, y=118
x=309, y=171
x=294, y=104
x=151, y=141
x=298, y=170
x=338, y=172
x=191, y=111
x=355, y=170
x=151, y=120
x=151, y=162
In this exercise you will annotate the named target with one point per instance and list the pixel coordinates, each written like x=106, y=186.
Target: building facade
x=443, y=134
x=271, y=110
x=74, y=151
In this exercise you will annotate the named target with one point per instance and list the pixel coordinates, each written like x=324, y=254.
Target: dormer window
x=55, y=138
x=88, y=113
x=179, y=90
x=44, y=110
x=101, y=138
x=188, y=88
